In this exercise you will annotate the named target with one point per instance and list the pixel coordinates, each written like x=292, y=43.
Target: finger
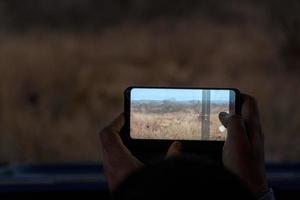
x=223, y=118
x=117, y=160
x=250, y=114
x=174, y=149
x=117, y=124
x=109, y=136
x=235, y=128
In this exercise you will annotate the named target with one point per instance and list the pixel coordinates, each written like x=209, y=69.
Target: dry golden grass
x=183, y=125
x=177, y=126
x=58, y=89
x=173, y=120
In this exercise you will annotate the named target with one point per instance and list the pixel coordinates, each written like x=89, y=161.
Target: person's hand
x=117, y=160
x=243, y=151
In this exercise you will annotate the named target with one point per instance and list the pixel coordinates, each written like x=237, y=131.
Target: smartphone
x=169, y=113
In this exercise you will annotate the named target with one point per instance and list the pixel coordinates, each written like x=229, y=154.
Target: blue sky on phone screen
x=160, y=94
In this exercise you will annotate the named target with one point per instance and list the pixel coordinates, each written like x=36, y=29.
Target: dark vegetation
x=64, y=65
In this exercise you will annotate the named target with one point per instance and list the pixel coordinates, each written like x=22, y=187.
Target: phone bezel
x=159, y=144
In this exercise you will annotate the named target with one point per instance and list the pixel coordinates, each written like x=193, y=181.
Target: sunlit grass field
x=182, y=124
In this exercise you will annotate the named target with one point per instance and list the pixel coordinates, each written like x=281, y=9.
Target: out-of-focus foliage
x=64, y=65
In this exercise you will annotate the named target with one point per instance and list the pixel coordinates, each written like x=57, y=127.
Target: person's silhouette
x=242, y=176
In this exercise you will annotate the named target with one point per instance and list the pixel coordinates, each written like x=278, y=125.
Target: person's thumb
x=235, y=127
x=224, y=117
x=174, y=149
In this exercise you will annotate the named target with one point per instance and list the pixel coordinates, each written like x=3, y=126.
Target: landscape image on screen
x=178, y=114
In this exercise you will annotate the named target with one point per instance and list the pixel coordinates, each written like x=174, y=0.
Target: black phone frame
x=149, y=149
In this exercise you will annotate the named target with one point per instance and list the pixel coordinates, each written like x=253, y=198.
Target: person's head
x=182, y=178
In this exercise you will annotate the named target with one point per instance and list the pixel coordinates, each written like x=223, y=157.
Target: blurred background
x=65, y=63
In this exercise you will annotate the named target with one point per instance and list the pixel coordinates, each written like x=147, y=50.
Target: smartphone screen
x=179, y=114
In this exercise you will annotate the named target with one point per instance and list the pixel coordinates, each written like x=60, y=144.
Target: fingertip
x=177, y=145
x=117, y=123
x=174, y=149
x=114, y=127
x=249, y=103
x=223, y=117
x=223, y=114
x=247, y=97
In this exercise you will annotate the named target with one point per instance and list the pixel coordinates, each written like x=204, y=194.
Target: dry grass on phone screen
x=172, y=120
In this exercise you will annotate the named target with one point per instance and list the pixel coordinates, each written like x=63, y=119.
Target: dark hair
x=182, y=178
